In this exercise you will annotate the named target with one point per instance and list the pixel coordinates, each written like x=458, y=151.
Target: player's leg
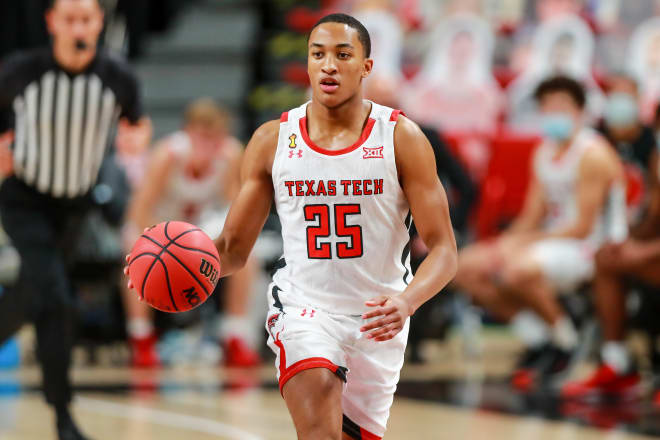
x=313, y=398
x=310, y=364
x=374, y=369
x=235, y=323
x=535, y=276
x=617, y=373
x=140, y=330
x=475, y=278
x=139, y=318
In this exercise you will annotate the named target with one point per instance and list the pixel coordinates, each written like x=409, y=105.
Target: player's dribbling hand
x=130, y=283
x=394, y=310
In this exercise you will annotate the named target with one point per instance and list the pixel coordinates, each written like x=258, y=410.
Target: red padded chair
x=504, y=187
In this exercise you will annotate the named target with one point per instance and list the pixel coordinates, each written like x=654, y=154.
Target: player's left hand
x=133, y=139
x=394, y=310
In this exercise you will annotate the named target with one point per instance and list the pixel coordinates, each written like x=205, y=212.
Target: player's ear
x=368, y=67
x=50, y=20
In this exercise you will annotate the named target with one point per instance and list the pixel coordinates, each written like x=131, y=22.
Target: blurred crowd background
x=465, y=70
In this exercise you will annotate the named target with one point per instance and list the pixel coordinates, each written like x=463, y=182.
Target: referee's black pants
x=43, y=231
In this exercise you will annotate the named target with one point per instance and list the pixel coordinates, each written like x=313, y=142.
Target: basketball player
x=192, y=176
x=57, y=108
x=575, y=203
x=633, y=263
x=346, y=174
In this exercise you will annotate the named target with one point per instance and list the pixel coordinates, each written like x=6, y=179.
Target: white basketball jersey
x=558, y=177
x=344, y=216
x=186, y=197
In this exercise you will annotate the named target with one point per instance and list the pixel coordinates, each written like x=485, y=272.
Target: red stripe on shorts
x=302, y=365
x=284, y=117
x=366, y=435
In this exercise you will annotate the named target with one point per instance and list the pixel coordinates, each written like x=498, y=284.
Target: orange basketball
x=174, y=266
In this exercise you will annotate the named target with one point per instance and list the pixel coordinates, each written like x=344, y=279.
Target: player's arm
x=532, y=212
x=231, y=180
x=598, y=168
x=650, y=224
x=140, y=212
x=251, y=206
x=430, y=210
x=6, y=116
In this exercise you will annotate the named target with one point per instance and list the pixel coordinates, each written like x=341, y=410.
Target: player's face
x=336, y=63
x=75, y=24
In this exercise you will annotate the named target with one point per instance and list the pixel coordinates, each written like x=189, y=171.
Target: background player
x=192, y=176
x=58, y=105
x=340, y=305
x=574, y=201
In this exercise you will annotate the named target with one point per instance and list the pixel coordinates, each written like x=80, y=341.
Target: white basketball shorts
x=565, y=262
x=305, y=337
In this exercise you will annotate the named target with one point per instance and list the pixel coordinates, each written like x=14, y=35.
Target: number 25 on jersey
x=320, y=214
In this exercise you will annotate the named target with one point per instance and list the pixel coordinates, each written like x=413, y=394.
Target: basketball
x=174, y=266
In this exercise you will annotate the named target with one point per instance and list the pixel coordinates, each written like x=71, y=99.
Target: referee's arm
x=135, y=128
x=6, y=124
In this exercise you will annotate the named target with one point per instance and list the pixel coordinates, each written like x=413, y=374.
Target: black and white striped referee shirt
x=63, y=122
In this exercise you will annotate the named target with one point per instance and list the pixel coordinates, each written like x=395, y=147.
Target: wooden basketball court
x=448, y=398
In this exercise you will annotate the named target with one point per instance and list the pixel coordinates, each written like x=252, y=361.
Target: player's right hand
x=6, y=155
x=129, y=284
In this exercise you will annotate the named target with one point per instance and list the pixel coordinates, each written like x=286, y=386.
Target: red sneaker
x=603, y=381
x=143, y=351
x=238, y=354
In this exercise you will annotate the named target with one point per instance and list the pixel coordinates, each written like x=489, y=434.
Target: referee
x=58, y=109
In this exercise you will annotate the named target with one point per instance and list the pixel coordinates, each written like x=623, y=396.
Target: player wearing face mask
x=632, y=263
x=634, y=141
x=574, y=203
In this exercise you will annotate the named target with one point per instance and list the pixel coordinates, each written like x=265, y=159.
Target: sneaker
x=143, y=351
x=524, y=374
x=239, y=354
x=605, y=380
x=554, y=364
x=67, y=429
x=655, y=398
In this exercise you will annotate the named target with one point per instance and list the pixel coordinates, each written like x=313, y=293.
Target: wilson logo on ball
x=210, y=272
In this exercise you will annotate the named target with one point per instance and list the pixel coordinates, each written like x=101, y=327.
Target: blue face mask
x=557, y=126
x=620, y=110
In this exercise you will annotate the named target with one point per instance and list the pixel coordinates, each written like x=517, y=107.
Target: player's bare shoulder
x=601, y=158
x=260, y=151
x=411, y=146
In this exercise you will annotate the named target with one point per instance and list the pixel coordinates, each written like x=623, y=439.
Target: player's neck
x=352, y=112
x=73, y=61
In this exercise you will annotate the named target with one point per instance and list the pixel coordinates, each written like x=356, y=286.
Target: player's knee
x=468, y=267
x=518, y=274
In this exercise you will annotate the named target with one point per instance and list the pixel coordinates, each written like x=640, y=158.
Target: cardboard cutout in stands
x=563, y=45
x=455, y=90
x=386, y=42
x=644, y=65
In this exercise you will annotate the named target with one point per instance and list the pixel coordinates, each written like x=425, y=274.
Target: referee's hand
x=6, y=156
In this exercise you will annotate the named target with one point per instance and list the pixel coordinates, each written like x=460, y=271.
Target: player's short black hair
x=562, y=83
x=51, y=3
x=363, y=33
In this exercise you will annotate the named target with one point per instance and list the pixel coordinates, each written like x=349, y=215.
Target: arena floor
x=450, y=399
